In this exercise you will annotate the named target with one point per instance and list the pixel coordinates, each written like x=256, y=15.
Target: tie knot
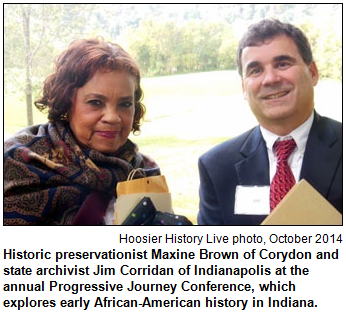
x=283, y=149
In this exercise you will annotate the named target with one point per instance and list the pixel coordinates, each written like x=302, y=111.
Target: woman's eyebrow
x=99, y=96
x=95, y=95
x=127, y=98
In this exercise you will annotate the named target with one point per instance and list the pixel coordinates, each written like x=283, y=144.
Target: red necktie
x=283, y=179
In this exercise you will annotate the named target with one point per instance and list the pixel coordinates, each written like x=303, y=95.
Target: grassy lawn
x=186, y=116
x=178, y=161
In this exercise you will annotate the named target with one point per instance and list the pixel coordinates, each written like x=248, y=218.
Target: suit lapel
x=254, y=168
x=322, y=152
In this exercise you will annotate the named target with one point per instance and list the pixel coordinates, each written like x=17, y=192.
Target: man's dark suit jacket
x=244, y=161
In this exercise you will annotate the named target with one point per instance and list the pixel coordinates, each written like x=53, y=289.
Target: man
x=278, y=77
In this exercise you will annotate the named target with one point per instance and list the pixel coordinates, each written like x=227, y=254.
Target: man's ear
x=244, y=92
x=314, y=73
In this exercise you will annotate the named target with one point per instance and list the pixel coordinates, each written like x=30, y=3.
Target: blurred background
x=187, y=57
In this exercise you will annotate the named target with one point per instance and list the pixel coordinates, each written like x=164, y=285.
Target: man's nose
x=271, y=76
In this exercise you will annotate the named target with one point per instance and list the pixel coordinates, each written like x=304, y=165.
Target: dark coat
x=244, y=161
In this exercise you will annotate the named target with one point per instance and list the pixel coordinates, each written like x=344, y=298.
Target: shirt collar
x=300, y=135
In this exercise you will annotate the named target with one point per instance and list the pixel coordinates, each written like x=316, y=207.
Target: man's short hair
x=266, y=29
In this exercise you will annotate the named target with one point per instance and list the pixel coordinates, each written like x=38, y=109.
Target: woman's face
x=102, y=111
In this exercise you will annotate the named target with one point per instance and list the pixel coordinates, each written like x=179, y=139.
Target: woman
x=66, y=171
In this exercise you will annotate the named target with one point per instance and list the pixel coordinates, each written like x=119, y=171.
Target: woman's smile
x=108, y=134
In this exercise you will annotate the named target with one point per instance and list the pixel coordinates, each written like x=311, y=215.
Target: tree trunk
x=28, y=83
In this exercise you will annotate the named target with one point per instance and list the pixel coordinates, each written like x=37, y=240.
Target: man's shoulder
x=229, y=147
x=324, y=124
x=328, y=120
x=337, y=125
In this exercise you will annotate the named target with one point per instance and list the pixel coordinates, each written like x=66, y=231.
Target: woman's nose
x=111, y=115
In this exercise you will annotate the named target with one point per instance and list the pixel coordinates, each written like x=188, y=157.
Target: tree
x=45, y=28
x=30, y=54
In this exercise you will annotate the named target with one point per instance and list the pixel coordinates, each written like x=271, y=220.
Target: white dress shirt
x=295, y=160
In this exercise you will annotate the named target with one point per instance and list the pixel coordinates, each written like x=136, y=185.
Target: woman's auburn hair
x=76, y=66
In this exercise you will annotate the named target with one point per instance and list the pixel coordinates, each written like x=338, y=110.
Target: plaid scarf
x=47, y=175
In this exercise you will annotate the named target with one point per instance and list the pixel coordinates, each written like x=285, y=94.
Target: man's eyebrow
x=251, y=65
x=278, y=58
x=285, y=57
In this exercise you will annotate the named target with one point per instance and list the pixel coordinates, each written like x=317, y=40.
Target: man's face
x=278, y=84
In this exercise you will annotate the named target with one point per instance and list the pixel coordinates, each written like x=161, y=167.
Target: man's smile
x=275, y=95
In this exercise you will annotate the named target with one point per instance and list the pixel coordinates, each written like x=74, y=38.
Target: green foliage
x=327, y=48
x=194, y=46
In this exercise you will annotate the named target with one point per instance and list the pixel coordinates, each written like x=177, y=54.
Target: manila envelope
x=303, y=205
